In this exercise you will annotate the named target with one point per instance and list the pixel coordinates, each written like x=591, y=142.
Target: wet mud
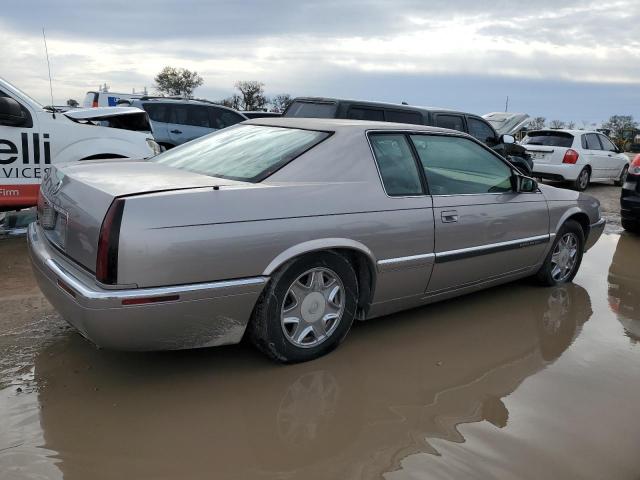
x=518, y=381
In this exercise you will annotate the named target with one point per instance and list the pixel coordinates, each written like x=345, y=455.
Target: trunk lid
x=75, y=198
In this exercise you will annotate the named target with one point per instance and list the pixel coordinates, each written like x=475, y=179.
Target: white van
x=32, y=137
x=106, y=99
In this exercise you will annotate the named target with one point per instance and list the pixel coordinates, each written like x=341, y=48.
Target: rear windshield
x=549, y=139
x=248, y=153
x=311, y=110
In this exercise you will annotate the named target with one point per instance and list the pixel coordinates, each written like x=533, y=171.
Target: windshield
x=248, y=153
x=311, y=109
x=549, y=139
x=24, y=95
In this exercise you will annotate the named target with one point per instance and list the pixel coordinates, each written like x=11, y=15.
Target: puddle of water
x=515, y=382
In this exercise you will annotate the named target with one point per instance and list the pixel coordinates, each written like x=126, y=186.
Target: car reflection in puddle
x=398, y=382
x=624, y=285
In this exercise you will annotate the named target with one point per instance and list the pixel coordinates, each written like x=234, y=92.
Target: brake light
x=108, y=240
x=570, y=156
x=94, y=104
x=634, y=168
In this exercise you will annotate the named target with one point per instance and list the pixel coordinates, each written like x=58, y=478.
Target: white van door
x=25, y=154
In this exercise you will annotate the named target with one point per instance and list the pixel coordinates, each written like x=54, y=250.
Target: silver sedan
x=288, y=230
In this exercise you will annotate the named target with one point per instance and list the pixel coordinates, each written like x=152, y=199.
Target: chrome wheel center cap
x=313, y=307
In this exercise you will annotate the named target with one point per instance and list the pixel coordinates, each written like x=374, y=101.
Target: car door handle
x=450, y=216
x=176, y=131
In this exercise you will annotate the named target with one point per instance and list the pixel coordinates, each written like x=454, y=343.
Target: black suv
x=630, y=198
x=474, y=125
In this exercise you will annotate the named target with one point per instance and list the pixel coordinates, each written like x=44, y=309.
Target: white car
x=575, y=156
x=33, y=137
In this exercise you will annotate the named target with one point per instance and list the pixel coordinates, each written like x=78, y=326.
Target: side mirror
x=525, y=184
x=10, y=112
x=507, y=139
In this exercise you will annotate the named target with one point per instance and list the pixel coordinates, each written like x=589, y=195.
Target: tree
x=232, y=102
x=571, y=125
x=619, y=123
x=252, y=94
x=537, y=123
x=72, y=103
x=556, y=124
x=281, y=102
x=178, y=81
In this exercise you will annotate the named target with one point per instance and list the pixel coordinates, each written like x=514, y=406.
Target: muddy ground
x=515, y=382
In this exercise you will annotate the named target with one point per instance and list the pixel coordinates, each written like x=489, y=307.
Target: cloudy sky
x=563, y=59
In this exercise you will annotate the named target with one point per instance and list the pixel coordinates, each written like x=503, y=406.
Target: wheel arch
x=358, y=254
x=578, y=215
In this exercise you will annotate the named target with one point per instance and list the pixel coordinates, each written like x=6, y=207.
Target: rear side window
x=458, y=166
x=590, y=142
x=157, y=111
x=221, y=118
x=396, y=164
x=358, y=113
x=311, y=110
x=453, y=122
x=397, y=116
x=549, y=139
x=481, y=130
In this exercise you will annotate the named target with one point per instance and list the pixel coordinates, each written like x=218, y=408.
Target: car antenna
x=46, y=51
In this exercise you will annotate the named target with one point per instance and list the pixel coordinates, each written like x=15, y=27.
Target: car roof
x=188, y=101
x=573, y=131
x=398, y=106
x=337, y=124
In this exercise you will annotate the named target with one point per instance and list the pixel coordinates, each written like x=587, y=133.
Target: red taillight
x=570, y=156
x=107, y=258
x=95, y=104
x=634, y=168
x=146, y=300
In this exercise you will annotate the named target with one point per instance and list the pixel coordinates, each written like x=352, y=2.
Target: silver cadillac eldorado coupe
x=289, y=229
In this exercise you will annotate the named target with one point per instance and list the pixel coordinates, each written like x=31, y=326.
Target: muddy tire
x=307, y=308
x=582, y=181
x=623, y=175
x=632, y=226
x=564, y=257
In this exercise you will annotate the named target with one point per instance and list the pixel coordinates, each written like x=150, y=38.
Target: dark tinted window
x=456, y=166
x=195, y=115
x=403, y=117
x=481, y=130
x=549, y=139
x=453, y=122
x=248, y=153
x=157, y=111
x=397, y=166
x=221, y=118
x=358, y=113
x=607, y=144
x=311, y=110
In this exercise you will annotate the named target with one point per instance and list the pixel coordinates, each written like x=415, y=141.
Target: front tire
x=623, y=176
x=564, y=258
x=582, y=182
x=307, y=308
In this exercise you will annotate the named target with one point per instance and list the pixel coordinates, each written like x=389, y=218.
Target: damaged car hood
x=127, y=118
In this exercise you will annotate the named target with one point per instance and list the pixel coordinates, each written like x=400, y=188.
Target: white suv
x=576, y=156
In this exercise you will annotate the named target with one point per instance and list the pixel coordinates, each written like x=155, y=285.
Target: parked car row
x=344, y=220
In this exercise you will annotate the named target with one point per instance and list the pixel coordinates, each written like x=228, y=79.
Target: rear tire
x=307, y=308
x=623, y=176
x=582, y=181
x=632, y=226
x=564, y=257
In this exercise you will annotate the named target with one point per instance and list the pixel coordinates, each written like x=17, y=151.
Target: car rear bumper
x=559, y=172
x=595, y=230
x=190, y=316
x=630, y=200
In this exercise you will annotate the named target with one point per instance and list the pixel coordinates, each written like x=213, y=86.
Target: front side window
x=248, y=153
x=457, y=166
x=357, y=113
x=221, y=118
x=396, y=164
x=452, y=122
x=481, y=130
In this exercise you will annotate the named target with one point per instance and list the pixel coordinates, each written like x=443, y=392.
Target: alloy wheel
x=313, y=307
x=564, y=257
